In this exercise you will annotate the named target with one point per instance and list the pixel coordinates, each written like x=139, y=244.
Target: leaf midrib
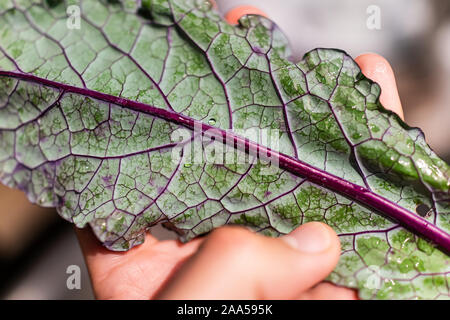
x=320, y=177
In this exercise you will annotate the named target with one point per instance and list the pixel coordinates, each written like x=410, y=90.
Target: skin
x=232, y=262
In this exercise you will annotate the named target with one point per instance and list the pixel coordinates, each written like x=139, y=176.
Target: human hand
x=231, y=262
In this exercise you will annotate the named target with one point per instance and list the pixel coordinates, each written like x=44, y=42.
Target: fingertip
x=318, y=248
x=236, y=13
x=379, y=70
x=370, y=58
x=373, y=64
x=314, y=237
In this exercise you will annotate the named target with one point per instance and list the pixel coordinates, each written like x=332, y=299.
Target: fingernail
x=313, y=237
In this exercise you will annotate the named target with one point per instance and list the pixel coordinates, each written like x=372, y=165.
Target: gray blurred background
x=36, y=246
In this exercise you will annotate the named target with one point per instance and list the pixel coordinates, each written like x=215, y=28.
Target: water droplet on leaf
x=212, y=121
x=203, y=5
x=374, y=128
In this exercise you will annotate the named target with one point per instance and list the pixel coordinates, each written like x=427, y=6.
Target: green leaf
x=163, y=112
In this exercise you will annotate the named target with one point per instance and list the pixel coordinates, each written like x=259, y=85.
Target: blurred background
x=37, y=247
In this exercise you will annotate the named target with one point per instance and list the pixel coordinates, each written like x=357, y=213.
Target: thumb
x=234, y=263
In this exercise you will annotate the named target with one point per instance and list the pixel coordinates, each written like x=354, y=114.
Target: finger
x=236, y=13
x=378, y=69
x=234, y=263
x=328, y=291
x=99, y=258
x=136, y=274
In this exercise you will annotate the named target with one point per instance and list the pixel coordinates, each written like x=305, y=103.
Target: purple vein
x=210, y=64
x=63, y=50
x=358, y=193
x=132, y=59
